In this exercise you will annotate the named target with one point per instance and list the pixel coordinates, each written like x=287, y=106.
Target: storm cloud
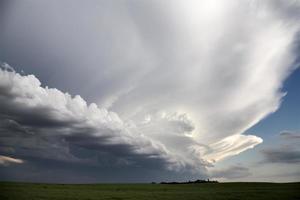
x=175, y=84
x=47, y=119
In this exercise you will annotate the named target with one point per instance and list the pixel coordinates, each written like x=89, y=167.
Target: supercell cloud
x=175, y=84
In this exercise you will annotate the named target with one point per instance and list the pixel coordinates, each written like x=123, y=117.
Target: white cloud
x=222, y=65
x=230, y=146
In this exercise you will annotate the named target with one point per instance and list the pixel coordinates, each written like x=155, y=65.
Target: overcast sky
x=141, y=91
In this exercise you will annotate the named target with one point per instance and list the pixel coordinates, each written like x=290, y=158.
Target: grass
x=213, y=191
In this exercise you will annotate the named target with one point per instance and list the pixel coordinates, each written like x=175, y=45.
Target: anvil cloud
x=175, y=84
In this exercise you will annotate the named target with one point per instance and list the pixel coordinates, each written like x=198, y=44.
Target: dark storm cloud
x=47, y=170
x=8, y=126
x=78, y=147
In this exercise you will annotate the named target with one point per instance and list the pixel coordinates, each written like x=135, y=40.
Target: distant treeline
x=192, y=182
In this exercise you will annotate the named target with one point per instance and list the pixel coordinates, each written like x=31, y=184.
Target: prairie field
x=211, y=191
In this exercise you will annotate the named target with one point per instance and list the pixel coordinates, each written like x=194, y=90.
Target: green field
x=230, y=191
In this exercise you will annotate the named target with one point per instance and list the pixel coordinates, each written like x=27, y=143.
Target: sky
x=142, y=91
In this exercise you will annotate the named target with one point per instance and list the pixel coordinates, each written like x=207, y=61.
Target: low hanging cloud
x=229, y=173
x=6, y=161
x=176, y=84
x=290, y=135
x=285, y=153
